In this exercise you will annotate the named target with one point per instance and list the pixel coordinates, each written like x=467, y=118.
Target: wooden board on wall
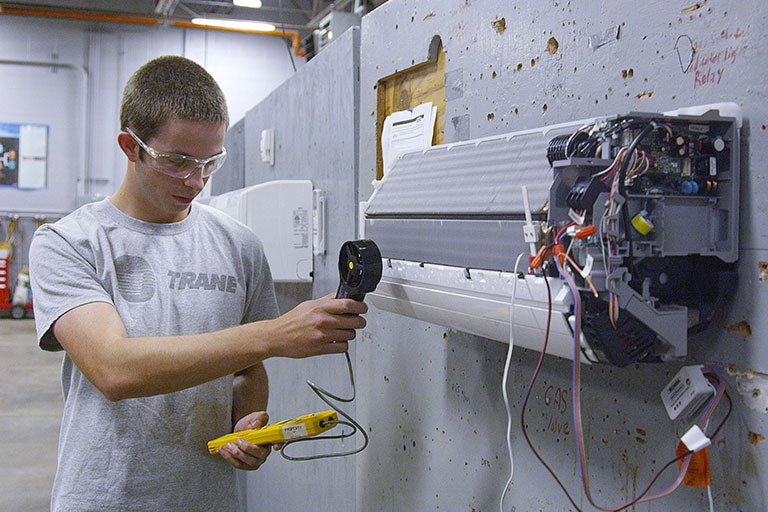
x=409, y=88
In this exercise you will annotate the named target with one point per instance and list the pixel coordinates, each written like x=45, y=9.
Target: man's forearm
x=125, y=367
x=251, y=392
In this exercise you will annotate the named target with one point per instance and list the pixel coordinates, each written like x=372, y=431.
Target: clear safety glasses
x=180, y=166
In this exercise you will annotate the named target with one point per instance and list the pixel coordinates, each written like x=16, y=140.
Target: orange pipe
x=143, y=20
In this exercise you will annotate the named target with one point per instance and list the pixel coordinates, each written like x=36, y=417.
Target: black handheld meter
x=359, y=269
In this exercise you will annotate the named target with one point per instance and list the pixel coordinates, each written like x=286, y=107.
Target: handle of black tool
x=344, y=293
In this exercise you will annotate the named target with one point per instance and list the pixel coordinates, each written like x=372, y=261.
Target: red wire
x=560, y=233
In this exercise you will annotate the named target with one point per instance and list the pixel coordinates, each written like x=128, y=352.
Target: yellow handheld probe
x=300, y=427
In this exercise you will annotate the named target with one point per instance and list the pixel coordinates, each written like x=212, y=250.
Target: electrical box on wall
x=280, y=213
x=655, y=193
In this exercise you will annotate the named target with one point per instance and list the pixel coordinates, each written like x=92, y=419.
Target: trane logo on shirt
x=201, y=281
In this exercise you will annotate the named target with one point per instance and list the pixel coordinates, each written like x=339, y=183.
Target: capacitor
x=642, y=222
x=710, y=146
x=689, y=187
x=707, y=186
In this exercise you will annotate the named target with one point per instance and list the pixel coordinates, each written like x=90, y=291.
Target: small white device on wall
x=267, y=146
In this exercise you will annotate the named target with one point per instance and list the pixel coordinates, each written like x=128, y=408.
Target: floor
x=30, y=415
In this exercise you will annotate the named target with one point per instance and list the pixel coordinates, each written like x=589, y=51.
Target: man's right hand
x=320, y=326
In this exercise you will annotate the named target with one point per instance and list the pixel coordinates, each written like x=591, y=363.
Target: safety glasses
x=180, y=166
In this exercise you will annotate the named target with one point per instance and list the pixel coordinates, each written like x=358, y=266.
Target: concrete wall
x=314, y=116
x=432, y=396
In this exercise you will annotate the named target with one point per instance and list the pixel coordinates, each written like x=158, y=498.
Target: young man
x=166, y=310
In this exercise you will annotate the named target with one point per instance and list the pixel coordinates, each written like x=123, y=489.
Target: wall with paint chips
x=431, y=397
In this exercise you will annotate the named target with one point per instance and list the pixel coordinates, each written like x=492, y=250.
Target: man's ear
x=128, y=145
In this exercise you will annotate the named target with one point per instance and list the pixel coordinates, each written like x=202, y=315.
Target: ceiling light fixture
x=252, y=4
x=235, y=24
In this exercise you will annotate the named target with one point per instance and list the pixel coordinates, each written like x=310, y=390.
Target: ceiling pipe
x=165, y=7
x=146, y=20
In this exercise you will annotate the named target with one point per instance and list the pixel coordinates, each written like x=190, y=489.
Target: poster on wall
x=23, y=155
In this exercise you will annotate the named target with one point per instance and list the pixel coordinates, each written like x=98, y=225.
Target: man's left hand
x=241, y=454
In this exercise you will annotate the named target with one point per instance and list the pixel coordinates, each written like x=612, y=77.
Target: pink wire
x=577, y=409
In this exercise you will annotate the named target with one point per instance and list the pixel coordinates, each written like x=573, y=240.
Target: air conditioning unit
x=451, y=221
x=332, y=26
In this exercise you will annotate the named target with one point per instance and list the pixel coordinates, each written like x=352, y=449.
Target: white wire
x=504, y=384
x=704, y=428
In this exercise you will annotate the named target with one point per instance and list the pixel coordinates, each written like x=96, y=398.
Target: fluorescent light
x=235, y=24
x=253, y=4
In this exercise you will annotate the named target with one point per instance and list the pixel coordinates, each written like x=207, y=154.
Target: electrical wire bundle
x=629, y=164
x=684, y=456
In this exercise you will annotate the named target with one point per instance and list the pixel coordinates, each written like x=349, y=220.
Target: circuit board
x=685, y=159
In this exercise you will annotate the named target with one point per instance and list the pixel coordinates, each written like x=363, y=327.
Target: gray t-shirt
x=205, y=273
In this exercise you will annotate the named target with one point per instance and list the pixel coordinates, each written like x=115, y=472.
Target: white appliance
x=280, y=213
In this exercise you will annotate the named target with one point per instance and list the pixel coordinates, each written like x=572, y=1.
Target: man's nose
x=195, y=180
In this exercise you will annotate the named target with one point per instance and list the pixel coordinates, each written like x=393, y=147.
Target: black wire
x=683, y=455
x=722, y=422
x=653, y=480
x=679, y=457
x=714, y=377
x=528, y=395
x=288, y=44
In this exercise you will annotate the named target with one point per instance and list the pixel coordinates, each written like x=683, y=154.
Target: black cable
x=679, y=457
x=530, y=388
x=653, y=480
x=715, y=378
x=282, y=27
x=722, y=422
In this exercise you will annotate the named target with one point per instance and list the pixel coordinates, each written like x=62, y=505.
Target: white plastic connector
x=695, y=439
x=576, y=217
x=530, y=233
x=686, y=392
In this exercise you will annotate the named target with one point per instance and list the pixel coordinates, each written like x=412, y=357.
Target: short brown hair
x=170, y=87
